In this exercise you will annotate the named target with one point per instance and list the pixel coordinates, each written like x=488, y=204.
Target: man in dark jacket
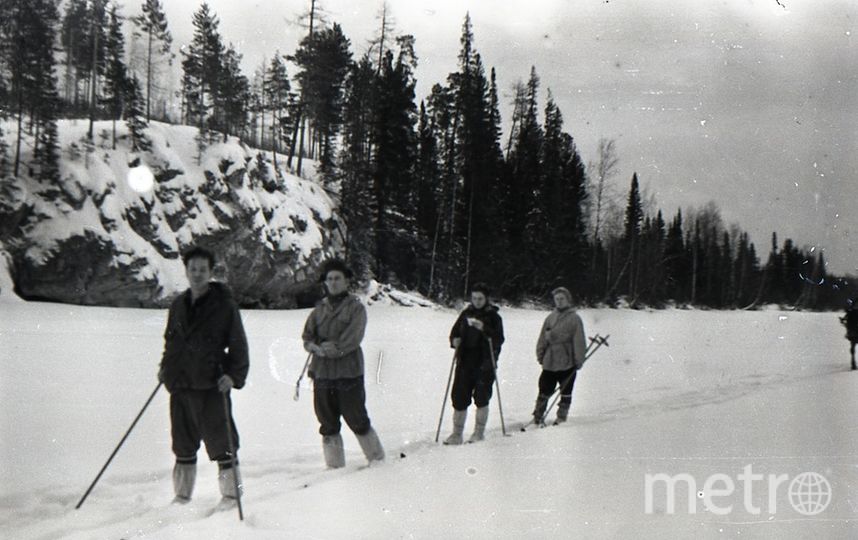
x=850, y=321
x=205, y=355
x=477, y=337
x=332, y=334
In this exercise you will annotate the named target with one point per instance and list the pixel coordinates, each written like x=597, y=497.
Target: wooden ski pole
x=118, y=446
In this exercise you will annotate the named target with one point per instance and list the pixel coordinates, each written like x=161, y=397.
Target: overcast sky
x=749, y=103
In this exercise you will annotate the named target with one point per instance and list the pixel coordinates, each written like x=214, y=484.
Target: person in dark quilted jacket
x=477, y=336
x=205, y=356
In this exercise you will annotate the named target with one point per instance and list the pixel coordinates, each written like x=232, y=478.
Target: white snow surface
x=677, y=391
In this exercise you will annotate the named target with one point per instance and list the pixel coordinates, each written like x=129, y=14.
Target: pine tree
x=323, y=59
x=203, y=70
x=116, y=73
x=97, y=17
x=279, y=100
x=75, y=37
x=27, y=35
x=151, y=24
x=135, y=116
x=232, y=95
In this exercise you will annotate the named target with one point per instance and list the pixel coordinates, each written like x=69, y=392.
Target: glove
x=329, y=349
x=456, y=342
x=478, y=324
x=161, y=375
x=316, y=350
x=225, y=383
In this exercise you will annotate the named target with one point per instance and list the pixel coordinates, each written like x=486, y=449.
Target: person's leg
x=353, y=401
x=852, y=352
x=568, y=383
x=461, y=398
x=327, y=406
x=216, y=415
x=482, y=396
x=185, y=412
x=547, y=382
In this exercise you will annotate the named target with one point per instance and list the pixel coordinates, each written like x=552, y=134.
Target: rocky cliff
x=112, y=231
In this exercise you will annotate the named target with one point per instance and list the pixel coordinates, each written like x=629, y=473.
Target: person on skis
x=850, y=320
x=205, y=356
x=560, y=351
x=333, y=334
x=477, y=336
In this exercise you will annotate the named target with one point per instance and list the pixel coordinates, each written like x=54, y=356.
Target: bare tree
x=600, y=172
x=385, y=34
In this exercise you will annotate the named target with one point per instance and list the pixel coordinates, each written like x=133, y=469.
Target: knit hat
x=563, y=291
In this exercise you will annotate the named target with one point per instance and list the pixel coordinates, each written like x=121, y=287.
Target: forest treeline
x=435, y=194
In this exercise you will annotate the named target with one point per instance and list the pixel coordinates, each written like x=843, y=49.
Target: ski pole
x=303, y=371
x=232, y=456
x=599, y=341
x=118, y=446
x=497, y=385
x=446, y=393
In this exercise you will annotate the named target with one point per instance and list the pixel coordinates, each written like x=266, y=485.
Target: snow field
x=676, y=391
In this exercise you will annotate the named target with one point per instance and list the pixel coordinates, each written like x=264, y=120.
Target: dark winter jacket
x=338, y=327
x=851, y=322
x=561, y=342
x=474, y=351
x=204, y=341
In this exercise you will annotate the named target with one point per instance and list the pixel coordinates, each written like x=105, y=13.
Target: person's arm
x=168, y=334
x=579, y=342
x=456, y=331
x=352, y=335
x=542, y=342
x=494, y=331
x=309, y=335
x=239, y=356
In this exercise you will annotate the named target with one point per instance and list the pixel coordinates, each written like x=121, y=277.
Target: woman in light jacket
x=560, y=351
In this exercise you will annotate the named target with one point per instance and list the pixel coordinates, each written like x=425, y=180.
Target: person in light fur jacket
x=560, y=351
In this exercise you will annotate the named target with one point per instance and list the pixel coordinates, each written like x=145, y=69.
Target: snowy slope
x=102, y=236
x=676, y=392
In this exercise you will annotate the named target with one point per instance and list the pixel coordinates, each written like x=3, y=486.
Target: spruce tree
x=116, y=73
x=395, y=151
x=135, y=118
x=358, y=204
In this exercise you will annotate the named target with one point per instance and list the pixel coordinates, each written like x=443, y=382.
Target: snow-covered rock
x=112, y=231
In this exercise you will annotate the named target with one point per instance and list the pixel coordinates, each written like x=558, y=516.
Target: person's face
x=199, y=272
x=336, y=282
x=561, y=301
x=478, y=299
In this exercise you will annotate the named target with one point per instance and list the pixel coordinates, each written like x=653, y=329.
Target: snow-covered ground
x=695, y=392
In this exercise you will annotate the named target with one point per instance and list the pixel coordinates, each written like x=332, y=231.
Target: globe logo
x=809, y=493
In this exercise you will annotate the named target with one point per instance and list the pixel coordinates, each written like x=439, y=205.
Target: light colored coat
x=339, y=331
x=561, y=342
